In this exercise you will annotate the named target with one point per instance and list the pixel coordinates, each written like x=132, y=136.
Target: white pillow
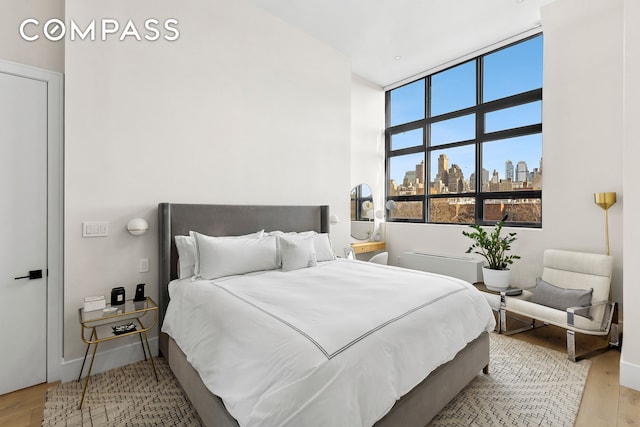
x=187, y=252
x=321, y=242
x=226, y=257
x=292, y=233
x=186, y=256
x=322, y=246
x=297, y=253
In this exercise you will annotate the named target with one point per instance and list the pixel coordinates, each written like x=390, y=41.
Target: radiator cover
x=469, y=269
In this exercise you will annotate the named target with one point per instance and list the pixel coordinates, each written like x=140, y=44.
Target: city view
x=449, y=178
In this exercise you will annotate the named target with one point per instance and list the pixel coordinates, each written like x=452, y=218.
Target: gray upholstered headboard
x=225, y=220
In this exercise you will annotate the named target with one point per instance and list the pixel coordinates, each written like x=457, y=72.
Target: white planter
x=496, y=280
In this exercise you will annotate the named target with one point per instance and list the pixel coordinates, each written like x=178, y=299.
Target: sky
x=509, y=71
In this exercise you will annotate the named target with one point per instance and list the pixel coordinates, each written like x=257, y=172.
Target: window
x=464, y=145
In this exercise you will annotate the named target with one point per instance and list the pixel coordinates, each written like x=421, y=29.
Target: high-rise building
x=508, y=170
x=443, y=165
x=455, y=182
x=536, y=178
x=420, y=172
x=409, y=178
x=485, y=176
x=522, y=173
x=393, y=187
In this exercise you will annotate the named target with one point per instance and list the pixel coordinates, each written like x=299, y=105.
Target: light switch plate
x=95, y=229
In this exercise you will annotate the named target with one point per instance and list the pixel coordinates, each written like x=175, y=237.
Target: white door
x=23, y=232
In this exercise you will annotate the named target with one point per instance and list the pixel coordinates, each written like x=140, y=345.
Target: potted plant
x=494, y=248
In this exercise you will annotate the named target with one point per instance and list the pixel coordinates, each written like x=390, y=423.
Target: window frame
x=480, y=110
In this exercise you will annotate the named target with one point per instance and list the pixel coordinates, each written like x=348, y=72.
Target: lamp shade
x=605, y=200
x=334, y=219
x=138, y=226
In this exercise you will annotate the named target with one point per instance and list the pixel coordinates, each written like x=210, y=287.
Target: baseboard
x=629, y=373
x=106, y=360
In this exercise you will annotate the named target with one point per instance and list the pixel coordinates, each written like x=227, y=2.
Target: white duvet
x=333, y=345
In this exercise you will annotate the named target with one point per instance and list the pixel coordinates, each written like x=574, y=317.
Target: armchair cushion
x=560, y=298
x=555, y=317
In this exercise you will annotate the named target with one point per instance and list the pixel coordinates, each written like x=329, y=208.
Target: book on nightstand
x=94, y=303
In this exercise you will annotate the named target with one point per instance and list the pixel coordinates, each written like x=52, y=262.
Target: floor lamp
x=605, y=201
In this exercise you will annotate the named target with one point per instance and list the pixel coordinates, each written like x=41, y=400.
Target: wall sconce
x=333, y=219
x=380, y=214
x=138, y=226
x=605, y=201
x=390, y=205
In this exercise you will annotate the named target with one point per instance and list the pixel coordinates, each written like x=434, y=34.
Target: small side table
x=97, y=324
x=483, y=288
x=494, y=298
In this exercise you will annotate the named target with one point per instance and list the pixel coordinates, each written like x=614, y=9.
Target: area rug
x=527, y=386
x=127, y=396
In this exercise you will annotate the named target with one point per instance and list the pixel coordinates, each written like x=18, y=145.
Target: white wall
x=583, y=126
x=367, y=137
x=41, y=53
x=367, y=143
x=630, y=359
x=242, y=109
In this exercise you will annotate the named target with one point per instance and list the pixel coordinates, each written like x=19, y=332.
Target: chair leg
x=502, y=318
x=614, y=337
x=571, y=345
x=503, y=324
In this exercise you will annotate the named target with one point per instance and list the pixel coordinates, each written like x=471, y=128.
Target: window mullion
x=479, y=139
x=426, y=145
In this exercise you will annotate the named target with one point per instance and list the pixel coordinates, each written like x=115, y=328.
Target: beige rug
x=128, y=396
x=527, y=386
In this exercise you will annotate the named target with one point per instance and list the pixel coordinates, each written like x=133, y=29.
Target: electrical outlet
x=144, y=265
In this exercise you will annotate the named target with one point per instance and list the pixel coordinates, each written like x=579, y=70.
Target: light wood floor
x=604, y=402
x=24, y=407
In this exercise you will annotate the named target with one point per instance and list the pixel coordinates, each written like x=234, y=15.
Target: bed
x=415, y=407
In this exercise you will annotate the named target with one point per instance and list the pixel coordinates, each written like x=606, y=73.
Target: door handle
x=33, y=274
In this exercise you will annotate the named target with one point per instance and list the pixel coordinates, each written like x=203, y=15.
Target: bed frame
x=416, y=408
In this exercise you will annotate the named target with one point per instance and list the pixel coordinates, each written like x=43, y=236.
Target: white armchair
x=380, y=258
x=567, y=278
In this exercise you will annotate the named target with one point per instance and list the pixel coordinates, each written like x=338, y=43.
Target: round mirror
x=362, y=213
